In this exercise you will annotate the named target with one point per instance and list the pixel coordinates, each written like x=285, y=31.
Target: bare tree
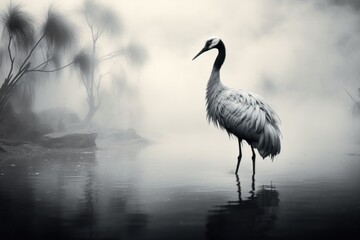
x=356, y=101
x=101, y=20
x=31, y=50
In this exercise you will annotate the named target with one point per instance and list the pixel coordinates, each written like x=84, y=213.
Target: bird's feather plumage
x=244, y=115
x=241, y=113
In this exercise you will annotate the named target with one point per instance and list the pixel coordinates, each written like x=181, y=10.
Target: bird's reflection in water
x=248, y=218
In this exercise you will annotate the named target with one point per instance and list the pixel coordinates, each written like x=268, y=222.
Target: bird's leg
x=253, y=160
x=252, y=188
x=239, y=187
x=239, y=157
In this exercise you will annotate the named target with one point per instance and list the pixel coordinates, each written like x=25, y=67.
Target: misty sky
x=299, y=55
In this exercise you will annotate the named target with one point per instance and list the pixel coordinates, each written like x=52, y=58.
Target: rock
x=12, y=142
x=128, y=138
x=69, y=140
x=125, y=135
x=2, y=149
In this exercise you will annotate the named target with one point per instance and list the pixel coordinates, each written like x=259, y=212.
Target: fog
x=302, y=57
x=299, y=55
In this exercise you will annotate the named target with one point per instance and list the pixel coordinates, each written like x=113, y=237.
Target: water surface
x=178, y=190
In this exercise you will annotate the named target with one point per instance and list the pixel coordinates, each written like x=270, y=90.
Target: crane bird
x=241, y=113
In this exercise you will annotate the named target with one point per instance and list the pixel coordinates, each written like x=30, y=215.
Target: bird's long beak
x=202, y=51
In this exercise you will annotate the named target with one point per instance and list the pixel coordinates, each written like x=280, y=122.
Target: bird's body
x=241, y=113
x=244, y=115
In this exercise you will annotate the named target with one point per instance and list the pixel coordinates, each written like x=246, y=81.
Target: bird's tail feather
x=269, y=142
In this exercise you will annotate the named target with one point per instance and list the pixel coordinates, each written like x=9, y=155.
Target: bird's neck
x=214, y=81
x=213, y=91
x=214, y=86
x=220, y=57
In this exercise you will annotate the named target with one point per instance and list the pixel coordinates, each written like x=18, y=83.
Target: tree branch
x=110, y=55
x=32, y=50
x=98, y=92
x=44, y=64
x=52, y=70
x=12, y=59
x=9, y=50
x=99, y=33
x=19, y=74
x=87, y=88
x=356, y=102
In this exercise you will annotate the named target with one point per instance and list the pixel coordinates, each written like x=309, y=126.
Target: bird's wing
x=244, y=114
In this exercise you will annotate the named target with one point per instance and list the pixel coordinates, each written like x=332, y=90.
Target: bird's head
x=211, y=43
